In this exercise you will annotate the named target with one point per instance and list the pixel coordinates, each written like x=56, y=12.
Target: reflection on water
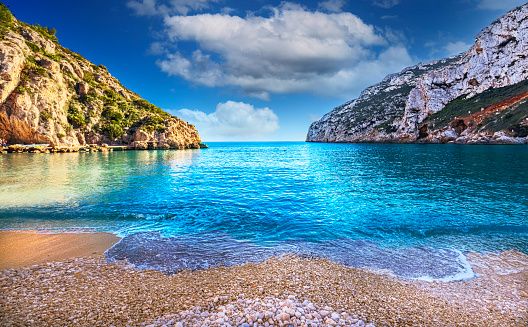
x=63, y=179
x=32, y=180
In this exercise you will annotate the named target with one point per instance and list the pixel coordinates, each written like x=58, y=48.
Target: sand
x=21, y=248
x=88, y=291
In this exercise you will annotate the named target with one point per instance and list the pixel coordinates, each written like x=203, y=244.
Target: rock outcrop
x=479, y=96
x=51, y=95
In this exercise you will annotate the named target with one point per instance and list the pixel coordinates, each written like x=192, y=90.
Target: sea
x=410, y=210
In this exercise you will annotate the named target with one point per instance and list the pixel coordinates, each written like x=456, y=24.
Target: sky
x=258, y=70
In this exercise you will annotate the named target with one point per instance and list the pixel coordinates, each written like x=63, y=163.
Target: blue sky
x=259, y=70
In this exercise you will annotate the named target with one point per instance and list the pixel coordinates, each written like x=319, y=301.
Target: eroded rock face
x=396, y=109
x=49, y=94
x=374, y=116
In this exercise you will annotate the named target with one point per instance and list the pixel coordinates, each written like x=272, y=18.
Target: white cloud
x=386, y=3
x=144, y=7
x=156, y=48
x=293, y=50
x=157, y=7
x=454, y=48
x=499, y=4
x=232, y=121
x=332, y=5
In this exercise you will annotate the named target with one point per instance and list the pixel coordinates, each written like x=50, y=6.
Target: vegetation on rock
x=74, y=101
x=464, y=106
x=6, y=20
x=479, y=96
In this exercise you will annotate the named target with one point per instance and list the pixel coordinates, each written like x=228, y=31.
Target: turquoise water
x=412, y=210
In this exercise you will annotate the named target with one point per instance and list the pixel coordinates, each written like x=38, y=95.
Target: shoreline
x=116, y=293
x=45, y=148
x=515, y=141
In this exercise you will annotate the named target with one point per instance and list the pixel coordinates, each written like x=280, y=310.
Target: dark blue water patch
x=194, y=252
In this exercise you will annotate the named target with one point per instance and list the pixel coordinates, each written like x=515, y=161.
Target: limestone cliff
x=49, y=94
x=480, y=96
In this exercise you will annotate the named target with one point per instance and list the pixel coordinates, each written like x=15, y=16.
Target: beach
x=63, y=279
x=23, y=248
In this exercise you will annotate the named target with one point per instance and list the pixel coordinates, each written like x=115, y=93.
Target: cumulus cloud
x=499, y=4
x=332, y=5
x=291, y=50
x=232, y=121
x=454, y=48
x=157, y=7
x=386, y=3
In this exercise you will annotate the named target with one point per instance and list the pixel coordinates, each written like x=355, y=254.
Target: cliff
x=480, y=96
x=49, y=94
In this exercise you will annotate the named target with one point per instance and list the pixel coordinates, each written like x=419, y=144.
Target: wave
x=150, y=250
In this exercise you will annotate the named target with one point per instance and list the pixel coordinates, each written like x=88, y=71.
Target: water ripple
x=466, y=198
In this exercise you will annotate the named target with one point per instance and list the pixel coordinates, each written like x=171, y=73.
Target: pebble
x=289, y=312
x=97, y=293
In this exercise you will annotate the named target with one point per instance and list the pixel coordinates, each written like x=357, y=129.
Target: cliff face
x=49, y=94
x=479, y=96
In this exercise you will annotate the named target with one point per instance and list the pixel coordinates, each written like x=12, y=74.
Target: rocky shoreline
x=450, y=135
x=281, y=291
x=446, y=136
x=44, y=148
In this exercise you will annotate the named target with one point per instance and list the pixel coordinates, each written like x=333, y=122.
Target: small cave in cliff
x=459, y=125
x=423, y=131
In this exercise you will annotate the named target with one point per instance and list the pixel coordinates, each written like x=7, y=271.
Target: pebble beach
x=282, y=291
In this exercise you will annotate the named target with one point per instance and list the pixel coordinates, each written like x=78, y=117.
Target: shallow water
x=407, y=209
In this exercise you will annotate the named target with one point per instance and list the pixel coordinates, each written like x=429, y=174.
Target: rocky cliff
x=49, y=94
x=480, y=96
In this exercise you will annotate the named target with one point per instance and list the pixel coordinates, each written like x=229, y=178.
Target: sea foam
x=172, y=254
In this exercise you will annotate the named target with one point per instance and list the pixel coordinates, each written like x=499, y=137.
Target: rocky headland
x=53, y=96
x=479, y=96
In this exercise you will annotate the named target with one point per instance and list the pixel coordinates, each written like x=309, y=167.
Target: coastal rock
x=449, y=135
x=51, y=95
x=82, y=89
x=417, y=104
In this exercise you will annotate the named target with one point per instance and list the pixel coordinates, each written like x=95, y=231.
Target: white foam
x=466, y=272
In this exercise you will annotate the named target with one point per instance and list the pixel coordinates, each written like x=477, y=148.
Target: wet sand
x=21, y=248
x=88, y=291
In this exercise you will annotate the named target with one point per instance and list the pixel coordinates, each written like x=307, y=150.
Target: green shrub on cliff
x=144, y=105
x=113, y=114
x=154, y=123
x=511, y=120
x=463, y=106
x=75, y=116
x=89, y=77
x=45, y=116
x=47, y=32
x=112, y=130
x=33, y=67
x=6, y=20
x=35, y=48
